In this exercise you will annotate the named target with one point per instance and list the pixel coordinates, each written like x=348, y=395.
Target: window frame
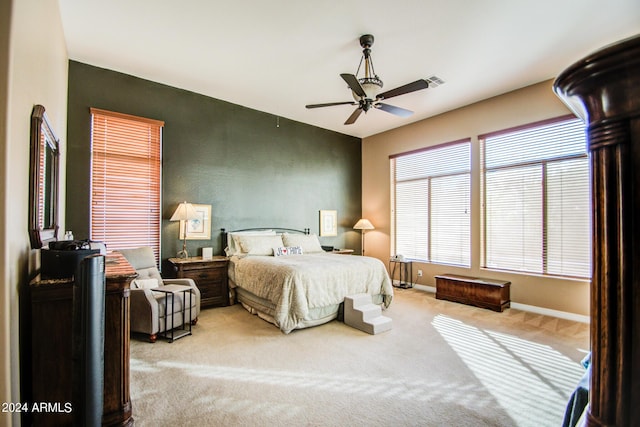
x=429, y=203
x=544, y=164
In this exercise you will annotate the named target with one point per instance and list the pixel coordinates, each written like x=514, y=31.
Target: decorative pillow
x=258, y=245
x=233, y=249
x=308, y=242
x=145, y=283
x=287, y=250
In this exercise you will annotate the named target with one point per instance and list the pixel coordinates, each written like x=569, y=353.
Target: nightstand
x=210, y=276
x=342, y=251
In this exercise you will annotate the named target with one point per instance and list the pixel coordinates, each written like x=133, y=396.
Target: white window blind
x=125, y=180
x=536, y=206
x=431, y=204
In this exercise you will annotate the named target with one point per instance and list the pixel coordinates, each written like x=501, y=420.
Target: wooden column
x=117, y=401
x=604, y=90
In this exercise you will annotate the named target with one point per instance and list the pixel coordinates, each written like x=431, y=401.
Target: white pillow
x=146, y=283
x=258, y=245
x=233, y=249
x=308, y=242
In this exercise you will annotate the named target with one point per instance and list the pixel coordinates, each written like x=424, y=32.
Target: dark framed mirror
x=44, y=171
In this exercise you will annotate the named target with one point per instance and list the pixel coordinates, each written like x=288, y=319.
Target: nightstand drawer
x=206, y=275
x=212, y=290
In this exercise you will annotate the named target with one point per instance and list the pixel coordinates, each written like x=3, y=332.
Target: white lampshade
x=363, y=224
x=185, y=211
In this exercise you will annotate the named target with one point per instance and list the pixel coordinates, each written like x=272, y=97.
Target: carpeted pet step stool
x=361, y=313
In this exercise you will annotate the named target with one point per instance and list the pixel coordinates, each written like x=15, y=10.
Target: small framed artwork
x=328, y=223
x=199, y=228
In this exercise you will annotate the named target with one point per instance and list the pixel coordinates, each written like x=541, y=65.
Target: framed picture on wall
x=199, y=228
x=328, y=223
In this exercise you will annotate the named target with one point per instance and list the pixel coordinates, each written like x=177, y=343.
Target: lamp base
x=183, y=254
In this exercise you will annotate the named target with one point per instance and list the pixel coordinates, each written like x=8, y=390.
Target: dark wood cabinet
x=210, y=276
x=48, y=351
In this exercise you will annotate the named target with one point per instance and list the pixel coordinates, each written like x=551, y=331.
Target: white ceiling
x=279, y=55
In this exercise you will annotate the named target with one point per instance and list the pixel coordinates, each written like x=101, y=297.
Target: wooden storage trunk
x=485, y=293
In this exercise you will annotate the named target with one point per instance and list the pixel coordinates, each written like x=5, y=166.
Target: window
x=430, y=204
x=536, y=206
x=125, y=180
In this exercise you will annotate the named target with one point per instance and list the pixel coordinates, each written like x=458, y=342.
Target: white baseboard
x=530, y=308
x=553, y=313
x=425, y=288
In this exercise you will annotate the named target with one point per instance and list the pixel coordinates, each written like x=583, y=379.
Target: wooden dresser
x=47, y=347
x=210, y=276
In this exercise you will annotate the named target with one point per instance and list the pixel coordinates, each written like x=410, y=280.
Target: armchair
x=147, y=307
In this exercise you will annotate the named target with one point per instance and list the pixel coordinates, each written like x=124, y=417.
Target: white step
x=380, y=324
x=369, y=311
x=360, y=299
x=361, y=313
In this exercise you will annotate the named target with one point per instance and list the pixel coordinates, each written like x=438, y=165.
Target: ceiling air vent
x=435, y=81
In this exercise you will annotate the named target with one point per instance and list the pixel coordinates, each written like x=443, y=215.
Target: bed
x=286, y=278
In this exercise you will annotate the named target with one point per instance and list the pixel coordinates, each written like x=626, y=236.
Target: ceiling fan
x=366, y=90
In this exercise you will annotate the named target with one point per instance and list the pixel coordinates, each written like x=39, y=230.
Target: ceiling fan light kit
x=370, y=83
x=366, y=91
x=371, y=86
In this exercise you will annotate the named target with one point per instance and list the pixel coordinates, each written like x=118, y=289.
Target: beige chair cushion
x=145, y=283
x=143, y=261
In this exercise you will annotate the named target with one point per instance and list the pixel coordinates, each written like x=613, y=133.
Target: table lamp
x=183, y=213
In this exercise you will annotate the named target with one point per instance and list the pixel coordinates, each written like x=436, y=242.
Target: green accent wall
x=255, y=169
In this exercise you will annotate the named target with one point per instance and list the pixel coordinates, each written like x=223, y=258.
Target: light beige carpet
x=442, y=364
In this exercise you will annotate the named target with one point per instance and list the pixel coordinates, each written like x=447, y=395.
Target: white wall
x=526, y=105
x=34, y=71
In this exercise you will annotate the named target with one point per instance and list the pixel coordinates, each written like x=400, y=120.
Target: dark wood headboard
x=225, y=233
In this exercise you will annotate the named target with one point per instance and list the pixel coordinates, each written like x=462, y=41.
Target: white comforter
x=297, y=283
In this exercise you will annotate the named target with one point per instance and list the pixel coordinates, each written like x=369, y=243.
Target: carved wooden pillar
x=604, y=90
x=117, y=401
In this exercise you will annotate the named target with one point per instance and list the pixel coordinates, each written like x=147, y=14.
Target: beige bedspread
x=298, y=283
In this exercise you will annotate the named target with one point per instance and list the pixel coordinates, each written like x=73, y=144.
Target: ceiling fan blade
x=354, y=116
x=408, y=88
x=354, y=84
x=331, y=104
x=394, y=110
